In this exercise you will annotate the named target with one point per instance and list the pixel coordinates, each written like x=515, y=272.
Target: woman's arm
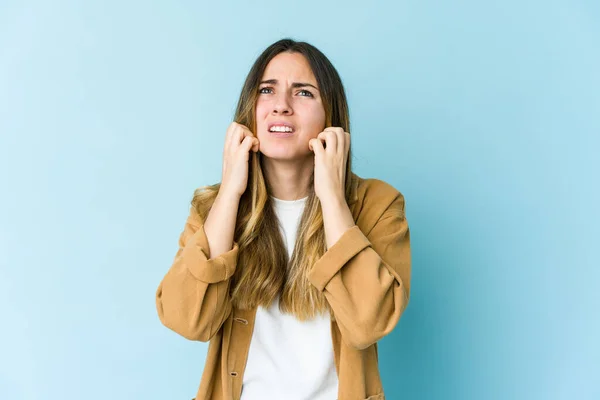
x=366, y=278
x=193, y=297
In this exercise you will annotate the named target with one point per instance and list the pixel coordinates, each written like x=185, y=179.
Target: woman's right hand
x=239, y=141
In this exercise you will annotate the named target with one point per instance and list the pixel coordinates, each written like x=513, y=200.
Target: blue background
x=485, y=115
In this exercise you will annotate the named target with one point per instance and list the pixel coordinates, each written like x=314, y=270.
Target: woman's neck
x=288, y=180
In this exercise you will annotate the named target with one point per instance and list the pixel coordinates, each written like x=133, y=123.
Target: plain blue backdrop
x=484, y=114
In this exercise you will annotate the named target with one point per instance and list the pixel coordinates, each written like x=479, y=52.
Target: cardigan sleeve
x=366, y=278
x=193, y=297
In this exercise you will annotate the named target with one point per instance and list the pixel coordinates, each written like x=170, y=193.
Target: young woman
x=293, y=267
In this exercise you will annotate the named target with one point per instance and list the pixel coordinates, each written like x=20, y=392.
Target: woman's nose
x=282, y=105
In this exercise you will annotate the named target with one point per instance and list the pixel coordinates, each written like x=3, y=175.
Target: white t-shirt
x=289, y=359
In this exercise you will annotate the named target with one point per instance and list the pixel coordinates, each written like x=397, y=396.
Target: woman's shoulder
x=373, y=189
x=374, y=197
x=202, y=200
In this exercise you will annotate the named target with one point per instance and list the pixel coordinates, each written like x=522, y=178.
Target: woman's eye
x=308, y=94
x=267, y=90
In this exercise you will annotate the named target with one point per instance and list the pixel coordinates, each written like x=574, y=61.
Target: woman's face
x=289, y=109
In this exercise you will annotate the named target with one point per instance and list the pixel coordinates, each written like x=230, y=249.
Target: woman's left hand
x=330, y=162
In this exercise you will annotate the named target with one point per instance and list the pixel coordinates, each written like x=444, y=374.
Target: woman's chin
x=281, y=154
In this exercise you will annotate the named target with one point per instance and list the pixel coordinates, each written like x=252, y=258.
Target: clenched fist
x=239, y=141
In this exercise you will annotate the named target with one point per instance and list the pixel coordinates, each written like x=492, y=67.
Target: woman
x=293, y=267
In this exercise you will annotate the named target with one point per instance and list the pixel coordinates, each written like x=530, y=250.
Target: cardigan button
x=233, y=373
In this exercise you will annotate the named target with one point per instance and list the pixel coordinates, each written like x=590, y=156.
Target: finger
x=255, y=141
x=246, y=133
x=237, y=136
x=330, y=139
x=248, y=143
x=323, y=138
x=316, y=146
x=256, y=145
x=347, y=143
x=229, y=134
x=341, y=140
x=334, y=128
x=320, y=139
x=340, y=136
x=346, y=149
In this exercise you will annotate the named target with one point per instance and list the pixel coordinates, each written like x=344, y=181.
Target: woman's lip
x=281, y=123
x=281, y=134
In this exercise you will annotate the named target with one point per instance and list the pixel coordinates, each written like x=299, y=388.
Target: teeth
x=280, y=129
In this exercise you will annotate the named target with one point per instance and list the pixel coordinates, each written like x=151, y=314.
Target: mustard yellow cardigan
x=365, y=277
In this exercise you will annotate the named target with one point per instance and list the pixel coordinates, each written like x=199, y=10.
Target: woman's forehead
x=285, y=66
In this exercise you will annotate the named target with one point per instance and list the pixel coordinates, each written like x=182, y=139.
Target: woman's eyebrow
x=294, y=85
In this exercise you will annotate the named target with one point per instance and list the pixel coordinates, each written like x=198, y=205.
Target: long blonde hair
x=264, y=270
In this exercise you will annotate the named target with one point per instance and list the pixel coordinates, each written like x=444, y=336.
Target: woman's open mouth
x=281, y=130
